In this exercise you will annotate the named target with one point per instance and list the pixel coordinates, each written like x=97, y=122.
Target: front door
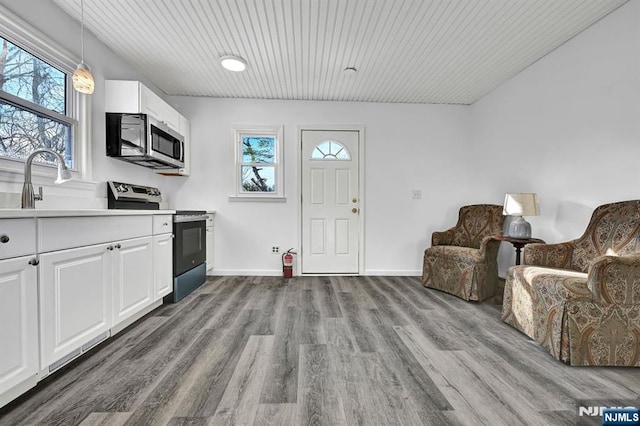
x=330, y=202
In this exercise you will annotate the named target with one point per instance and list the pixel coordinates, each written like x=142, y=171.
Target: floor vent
x=96, y=340
x=70, y=357
x=59, y=363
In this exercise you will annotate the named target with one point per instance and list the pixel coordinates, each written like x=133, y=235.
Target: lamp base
x=519, y=228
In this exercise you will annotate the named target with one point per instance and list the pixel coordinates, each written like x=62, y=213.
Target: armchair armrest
x=549, y=255
x=489, y=246
x=615, y=279
x=442, y=238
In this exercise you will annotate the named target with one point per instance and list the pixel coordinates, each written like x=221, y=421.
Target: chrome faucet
x=28, y=196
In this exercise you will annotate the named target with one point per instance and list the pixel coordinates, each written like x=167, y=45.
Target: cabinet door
x=18, y=322
x=151, y=104
x=75, y=300
x=163, y=265
x=209, y=247
x=171, y=117
x=132, y=277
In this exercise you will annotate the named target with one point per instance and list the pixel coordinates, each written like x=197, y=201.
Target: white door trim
x=361, y=186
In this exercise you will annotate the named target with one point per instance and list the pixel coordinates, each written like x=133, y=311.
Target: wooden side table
x=518, y=243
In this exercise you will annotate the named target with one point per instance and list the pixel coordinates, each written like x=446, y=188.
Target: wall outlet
x=417, y=194
x=275, y=250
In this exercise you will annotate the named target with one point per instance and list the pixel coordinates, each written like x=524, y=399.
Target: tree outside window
x=33, y=106
x=258, y=161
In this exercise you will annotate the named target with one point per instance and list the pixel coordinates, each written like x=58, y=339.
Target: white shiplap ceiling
x=437, y=51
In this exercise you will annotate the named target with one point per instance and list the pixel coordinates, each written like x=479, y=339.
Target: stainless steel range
x=189, y=234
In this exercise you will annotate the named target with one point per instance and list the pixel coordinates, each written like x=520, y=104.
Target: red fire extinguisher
x=287, y=263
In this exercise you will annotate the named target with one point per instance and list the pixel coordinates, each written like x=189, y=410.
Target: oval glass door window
x=330, y=150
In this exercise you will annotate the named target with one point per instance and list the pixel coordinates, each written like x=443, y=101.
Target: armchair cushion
x=577, y=300
x=535, y=298
x=463, y=260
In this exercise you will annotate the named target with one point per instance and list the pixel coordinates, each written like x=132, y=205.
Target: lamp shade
x=521, y=204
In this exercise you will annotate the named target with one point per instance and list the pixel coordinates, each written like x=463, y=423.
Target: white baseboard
x=277, y=272
x=394, y=272
x=247, y=272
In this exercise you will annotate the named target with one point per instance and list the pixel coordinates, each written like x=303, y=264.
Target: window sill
x=259, y=199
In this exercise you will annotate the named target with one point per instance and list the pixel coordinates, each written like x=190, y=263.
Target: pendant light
x=82, y=78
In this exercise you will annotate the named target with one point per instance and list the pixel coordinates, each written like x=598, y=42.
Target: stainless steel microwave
x=143, y=140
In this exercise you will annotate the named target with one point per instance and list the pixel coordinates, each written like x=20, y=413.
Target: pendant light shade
x=82, y=77
x=83, y=80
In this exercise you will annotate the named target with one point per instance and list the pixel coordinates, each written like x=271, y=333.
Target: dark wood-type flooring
x=323, y=351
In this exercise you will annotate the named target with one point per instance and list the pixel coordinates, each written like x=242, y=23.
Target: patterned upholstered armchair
x=463, y=260
x=581, y=299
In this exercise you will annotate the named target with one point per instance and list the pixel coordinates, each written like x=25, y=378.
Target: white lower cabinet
x=75, y=302
x=18, y=327
x=132, y=277
x=163, y=265
x=83, y=290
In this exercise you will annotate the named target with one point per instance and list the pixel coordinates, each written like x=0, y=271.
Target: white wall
x=406, y=146
x=567, y=127
x=104, y=64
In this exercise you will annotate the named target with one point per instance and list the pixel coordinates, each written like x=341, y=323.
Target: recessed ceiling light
x=350, y=70
x=233, y=63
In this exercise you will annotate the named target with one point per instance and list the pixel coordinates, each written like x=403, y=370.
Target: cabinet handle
x=34, y=261
x=4, y=239
x=110, y=248
x=118, y=246
x=165, y=224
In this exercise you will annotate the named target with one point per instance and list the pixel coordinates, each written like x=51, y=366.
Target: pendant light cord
x=82, y=29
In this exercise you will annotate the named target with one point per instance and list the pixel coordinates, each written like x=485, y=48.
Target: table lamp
x=518, y=205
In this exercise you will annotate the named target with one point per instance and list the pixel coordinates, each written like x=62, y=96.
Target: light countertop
x=35, y=213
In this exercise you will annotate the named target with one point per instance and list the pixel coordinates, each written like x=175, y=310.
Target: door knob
x=354, y=210
x=4, y=239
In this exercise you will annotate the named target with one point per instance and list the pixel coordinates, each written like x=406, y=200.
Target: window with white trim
x=258, y=168
x=38, y=107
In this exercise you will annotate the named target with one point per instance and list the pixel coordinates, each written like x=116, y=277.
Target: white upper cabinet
x=134, y=97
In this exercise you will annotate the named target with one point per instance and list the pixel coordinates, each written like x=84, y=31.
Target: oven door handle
x=189, y=218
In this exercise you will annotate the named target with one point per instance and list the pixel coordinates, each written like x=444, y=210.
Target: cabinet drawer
x=162, y=224
x=59, y=233
x=19, y=236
